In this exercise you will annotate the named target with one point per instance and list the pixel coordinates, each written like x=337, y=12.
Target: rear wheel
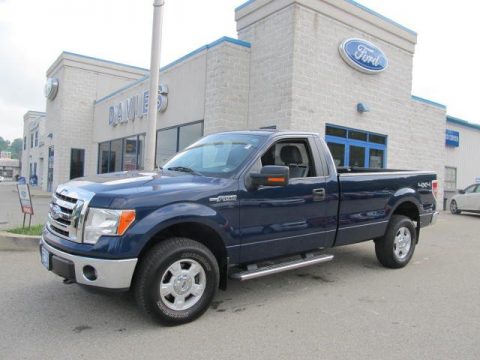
x=454, y=208
x=176, y=281
x=395, y=249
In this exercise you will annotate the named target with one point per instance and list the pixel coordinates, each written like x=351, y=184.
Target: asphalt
x=350, y=308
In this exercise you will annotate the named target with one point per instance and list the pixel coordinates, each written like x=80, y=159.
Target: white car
x=466, y=200
x=2, y=179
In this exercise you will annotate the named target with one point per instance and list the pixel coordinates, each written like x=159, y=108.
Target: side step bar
x=254, y=272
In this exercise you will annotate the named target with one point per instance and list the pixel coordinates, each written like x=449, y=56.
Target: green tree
x=4, y=144
x=16, y=148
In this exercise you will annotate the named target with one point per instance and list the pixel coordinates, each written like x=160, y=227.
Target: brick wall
x=227, y=88
x=70, y=114
x=271, y=68
x=300, y=82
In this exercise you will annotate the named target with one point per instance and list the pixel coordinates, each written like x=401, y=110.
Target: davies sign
x=136, y=107
x=363, y=56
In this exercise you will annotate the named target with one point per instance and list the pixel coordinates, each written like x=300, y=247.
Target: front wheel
x=176, y=281
x=395, y=249
x=454, y=208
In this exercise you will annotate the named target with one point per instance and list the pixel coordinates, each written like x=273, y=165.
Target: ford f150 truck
x=235, y=205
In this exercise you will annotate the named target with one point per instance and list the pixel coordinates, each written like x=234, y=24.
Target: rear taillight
x=435, y=188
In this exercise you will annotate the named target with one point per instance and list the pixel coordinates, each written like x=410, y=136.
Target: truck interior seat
x=292, y=157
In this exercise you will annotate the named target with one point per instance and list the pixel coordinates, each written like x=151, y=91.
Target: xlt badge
x=223, y=198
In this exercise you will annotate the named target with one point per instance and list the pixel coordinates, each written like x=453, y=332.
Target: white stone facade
x=285, y=71
x=69, y=120
x=464, y=158
x=33, y=153
x=299, y=79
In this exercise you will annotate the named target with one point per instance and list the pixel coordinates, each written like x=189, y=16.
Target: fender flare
x=177, y=213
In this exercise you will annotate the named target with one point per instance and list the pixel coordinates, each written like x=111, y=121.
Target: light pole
x=154, y=75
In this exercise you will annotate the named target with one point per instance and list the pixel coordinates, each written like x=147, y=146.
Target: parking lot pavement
x=10, y=213
x=350, y=308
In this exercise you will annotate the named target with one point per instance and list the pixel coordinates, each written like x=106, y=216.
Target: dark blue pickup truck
x=233, y=205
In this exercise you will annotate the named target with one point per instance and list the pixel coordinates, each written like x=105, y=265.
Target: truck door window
x=295, y=154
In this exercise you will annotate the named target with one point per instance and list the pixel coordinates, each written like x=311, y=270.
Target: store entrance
x=51, y=155
x=356, y=148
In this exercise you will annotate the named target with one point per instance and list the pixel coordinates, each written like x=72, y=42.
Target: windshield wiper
x=184, y=169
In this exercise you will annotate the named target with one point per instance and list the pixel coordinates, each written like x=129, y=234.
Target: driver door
x=281, y=220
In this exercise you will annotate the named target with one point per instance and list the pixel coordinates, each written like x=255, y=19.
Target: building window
x=166, y=145
x=36, y=138
x=189, y=134
x=133, y=153
x=122, y=154
x=450, y=179
x=24, y=143
x=103, y=157
x=31, y=140
x=172, y=140
x=116, y=151
x=356, y=148
x=77, y=163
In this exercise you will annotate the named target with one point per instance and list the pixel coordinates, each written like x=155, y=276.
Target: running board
x=254, y=272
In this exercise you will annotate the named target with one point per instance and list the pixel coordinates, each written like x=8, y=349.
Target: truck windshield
x=217, y=155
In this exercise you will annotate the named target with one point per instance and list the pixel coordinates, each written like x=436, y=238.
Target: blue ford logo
x=56, y=212
x=363, y=56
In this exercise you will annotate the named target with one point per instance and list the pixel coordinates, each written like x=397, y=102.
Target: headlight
x=106, y=222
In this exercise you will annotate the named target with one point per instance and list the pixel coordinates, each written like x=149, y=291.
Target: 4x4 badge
x=424, y=185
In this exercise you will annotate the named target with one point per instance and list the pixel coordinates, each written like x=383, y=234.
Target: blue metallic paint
x=260, y=224
x=368, y=201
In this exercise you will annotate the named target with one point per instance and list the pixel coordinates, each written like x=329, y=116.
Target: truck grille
x=66, y=215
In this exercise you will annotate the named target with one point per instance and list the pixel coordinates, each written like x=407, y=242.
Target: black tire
x=156, y=267
x=454, y=208
x=388, y=253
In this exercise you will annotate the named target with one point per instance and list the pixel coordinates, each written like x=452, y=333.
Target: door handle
x=318, y=194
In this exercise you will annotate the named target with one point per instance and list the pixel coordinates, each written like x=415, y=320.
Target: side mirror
x=461, y=191
x=270, y=175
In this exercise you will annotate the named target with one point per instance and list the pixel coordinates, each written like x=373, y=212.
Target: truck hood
x=144, y=189
x=112, y=181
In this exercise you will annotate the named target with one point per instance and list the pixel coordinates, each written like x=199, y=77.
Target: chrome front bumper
x=110, y=274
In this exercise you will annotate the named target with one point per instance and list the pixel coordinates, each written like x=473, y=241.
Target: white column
x=153, y=94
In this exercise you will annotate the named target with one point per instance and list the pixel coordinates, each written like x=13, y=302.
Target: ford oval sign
x=363, y=56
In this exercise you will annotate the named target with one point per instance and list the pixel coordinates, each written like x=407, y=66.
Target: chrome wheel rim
x=182, y=284
x=453, y=207
x=402, y=243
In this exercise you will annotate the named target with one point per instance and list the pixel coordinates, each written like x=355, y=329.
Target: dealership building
x=329, y=66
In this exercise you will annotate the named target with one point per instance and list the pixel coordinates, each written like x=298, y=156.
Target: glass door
x=357, y=156
x=356, y=148
x=51, y=156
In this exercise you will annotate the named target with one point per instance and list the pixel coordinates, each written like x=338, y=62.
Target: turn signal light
x=127, y=217
x=276, y=179
x=435, y=189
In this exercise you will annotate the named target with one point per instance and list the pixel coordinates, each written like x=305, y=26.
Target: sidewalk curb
x=15, y=242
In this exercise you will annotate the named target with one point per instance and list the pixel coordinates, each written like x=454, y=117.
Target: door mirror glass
x=270, y=175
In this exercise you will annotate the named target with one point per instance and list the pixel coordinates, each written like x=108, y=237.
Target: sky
x=33, y=33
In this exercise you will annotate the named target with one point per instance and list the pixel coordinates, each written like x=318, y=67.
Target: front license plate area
x=45, y=257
